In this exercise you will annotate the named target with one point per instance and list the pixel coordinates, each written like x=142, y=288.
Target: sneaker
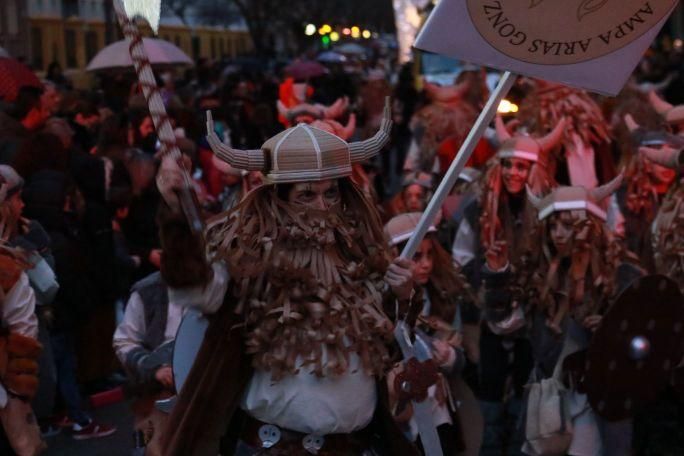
x=48, y=430
x=63, y=422
x=92, y=431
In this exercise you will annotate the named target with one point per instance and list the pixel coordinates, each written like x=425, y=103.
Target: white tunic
x=302, y=402
x=312, y=405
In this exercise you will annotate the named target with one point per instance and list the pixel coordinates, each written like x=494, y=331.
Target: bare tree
x=268, y=19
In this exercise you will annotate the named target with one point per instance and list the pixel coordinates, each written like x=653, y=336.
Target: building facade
x=14, y=27
x=71, y=32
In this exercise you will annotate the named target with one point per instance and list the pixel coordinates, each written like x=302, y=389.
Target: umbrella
x=3, y=53
x=160, y=52
x=351, y=48
x=13, y=76
x=331, y=57
x=305, y=69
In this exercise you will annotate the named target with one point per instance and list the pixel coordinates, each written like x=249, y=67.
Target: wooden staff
x=167, y=138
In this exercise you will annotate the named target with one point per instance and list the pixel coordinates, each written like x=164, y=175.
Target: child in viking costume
x=581, y=270
x=442, y=290
x=299, y=273
x=667, y=233
x=585, y=156
x=416, y=190
x=646, y=184
x=19, y=347
x=501, y=224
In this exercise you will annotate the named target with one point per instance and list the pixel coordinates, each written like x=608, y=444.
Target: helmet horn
x=501, y=131
x=363, y=150
x=667, y=157
x=598, y=194
x=660, y=105
x=632, y=125
x=249, y=160
x=532, y=198
x=551, y=140
x=348, y=129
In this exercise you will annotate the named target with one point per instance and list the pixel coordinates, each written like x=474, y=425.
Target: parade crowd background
x=86, y=161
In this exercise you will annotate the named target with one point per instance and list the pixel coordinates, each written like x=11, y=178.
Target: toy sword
x=420, y=372
x=150, y=10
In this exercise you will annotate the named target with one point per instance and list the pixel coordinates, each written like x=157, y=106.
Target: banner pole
x=481, y=124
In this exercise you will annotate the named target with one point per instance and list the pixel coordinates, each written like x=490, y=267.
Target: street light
x=355, y=32
x=334, y=36
x=310, y=30
x=366, y=34
x=326, y=29
x=346, y=31
x=506, y=107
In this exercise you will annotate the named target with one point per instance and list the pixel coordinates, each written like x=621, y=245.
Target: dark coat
x=12, y=134
x=45, y=196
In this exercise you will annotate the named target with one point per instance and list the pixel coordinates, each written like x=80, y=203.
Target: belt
x=258, y=434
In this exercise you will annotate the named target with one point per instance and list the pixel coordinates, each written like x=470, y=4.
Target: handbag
x=548, y=424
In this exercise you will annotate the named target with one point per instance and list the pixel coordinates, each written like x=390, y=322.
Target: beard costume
x=307, y=279
x=297, y=336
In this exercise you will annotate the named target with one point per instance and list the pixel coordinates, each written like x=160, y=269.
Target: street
x=120, y=443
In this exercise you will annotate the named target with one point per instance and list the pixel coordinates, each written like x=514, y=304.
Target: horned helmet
x=576, y=199
x=303, y=153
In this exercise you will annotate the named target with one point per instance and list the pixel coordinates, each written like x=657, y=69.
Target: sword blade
x=422, y=412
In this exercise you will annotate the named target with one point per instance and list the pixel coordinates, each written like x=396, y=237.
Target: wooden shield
x=634, y=351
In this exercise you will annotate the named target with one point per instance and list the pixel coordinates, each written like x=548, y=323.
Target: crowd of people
x=310, y=188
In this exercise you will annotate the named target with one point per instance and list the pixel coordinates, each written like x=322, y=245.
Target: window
x=213, y=47
x=196, y=46
x=91, y=45
x=12, y=18
x=177, y=40
x=70, y=48
x=69, y=8
x=37, y=47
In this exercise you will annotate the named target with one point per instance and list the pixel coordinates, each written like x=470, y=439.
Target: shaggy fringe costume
x=591, y=280
x=668, y=236
x=297, y=289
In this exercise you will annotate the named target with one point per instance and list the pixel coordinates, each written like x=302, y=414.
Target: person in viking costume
x=645, y=185
x=416, y=191
x=659, y=430
x=500, y=224
x=296, y=286
x=19, y=347
x=446, y=116
x=442, y=290
x=294, y=106
x=667, y=231
x=501, y=214
x=585, y=156
x=582, y=268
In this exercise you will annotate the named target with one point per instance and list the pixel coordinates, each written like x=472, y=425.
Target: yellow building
x=71, y=32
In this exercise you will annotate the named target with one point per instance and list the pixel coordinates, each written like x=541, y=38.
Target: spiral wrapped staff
x=167, y=138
